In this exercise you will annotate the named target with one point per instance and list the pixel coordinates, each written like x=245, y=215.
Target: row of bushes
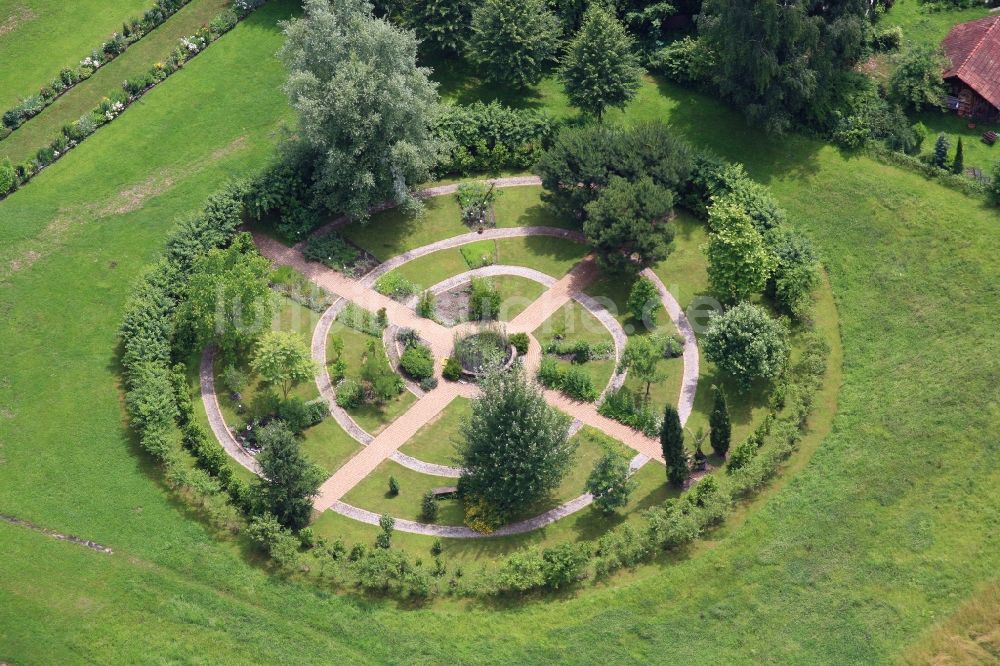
x=573, y=381
x=132, y=31
x=12, y=177
x=581, y=350
x=488, y=138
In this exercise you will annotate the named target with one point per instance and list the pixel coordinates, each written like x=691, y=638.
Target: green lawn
x=372, y=417
x=394, y=231
x=373, y=492
x=436, y=442
x=552, y=256
x=976, y=153
x=154, y=47
x=926, y=27
x=848, y=558
x=40, y=37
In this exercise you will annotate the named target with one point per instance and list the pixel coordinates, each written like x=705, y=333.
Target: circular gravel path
x=321, y=333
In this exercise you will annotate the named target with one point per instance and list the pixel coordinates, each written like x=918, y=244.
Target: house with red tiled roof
x=973, y=78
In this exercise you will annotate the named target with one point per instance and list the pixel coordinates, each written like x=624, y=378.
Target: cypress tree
x=958, y=166
x=672, y=441
x=718, y=422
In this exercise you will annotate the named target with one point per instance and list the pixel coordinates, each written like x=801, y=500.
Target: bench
x=444, y=492
x=989, y=138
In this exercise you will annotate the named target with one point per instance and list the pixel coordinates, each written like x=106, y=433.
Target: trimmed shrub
x=349, y=393
x=520, y=342
x=395, y=286
x=333, y=252
x=550, y=373
x=417, y=361
x=484, y=300
x=429, y=512
x=452, y=369
x=487, y=138
x=626, y=407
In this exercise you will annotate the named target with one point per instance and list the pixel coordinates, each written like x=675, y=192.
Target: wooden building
x=973, y=79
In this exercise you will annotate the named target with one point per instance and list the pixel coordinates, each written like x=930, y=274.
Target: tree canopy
x=289, y=481
x=739, y=263
x=916, y=81
x=514, y=40
x=363, y=104
x=628, y=224
x=515, y=448
x=783, y=61
x=600, y=69
x=282, y=359
x=228, y=299
x=747, y=343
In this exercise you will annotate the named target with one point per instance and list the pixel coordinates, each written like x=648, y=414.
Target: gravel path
x=206, y=378
x=386, y=445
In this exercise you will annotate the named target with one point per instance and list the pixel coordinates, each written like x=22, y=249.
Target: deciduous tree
x=363, y=103
x=600, y=69
x=747, y=343
x=282, y=359
x=739, y=264
x=514, y=40
x=515, y=448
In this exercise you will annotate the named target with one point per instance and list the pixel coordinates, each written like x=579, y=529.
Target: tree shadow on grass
x=709, y=122
x=462, y=82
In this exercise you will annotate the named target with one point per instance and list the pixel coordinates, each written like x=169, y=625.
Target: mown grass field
x=884, y=532
x=86, y=95
x=40, y=37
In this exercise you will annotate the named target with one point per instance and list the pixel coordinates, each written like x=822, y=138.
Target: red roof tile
x=974, y=51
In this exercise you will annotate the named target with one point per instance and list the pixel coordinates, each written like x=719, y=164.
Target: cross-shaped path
x=441, y=341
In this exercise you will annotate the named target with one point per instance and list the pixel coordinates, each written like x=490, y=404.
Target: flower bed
x=13, y=177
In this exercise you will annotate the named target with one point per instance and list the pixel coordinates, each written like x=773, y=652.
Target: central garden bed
x=477, y=351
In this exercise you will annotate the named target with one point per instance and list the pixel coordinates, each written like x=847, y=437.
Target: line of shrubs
x=72, y=134
x=132, y=31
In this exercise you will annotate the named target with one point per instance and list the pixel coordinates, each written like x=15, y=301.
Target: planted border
x=133, y=30
x=14, y=177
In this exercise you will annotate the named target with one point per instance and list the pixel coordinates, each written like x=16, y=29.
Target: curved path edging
x=685, y=401
x=209, y=398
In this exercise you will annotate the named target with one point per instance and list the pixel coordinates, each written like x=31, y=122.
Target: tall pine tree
x=718, y=421
x=958, y=166
x=672, y=441
x=600, y=69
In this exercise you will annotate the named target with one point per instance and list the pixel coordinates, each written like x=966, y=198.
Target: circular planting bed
x=477, y=351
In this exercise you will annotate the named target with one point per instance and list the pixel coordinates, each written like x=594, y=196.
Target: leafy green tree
x=916, y=81
x=515, y=448
x=747, y=343
x=583, y=160
x=720, y=427
x=672, y=442
x=641, y=357
x=796, y=272
x=941, y=147
x=363, y=104
x=442, y=25
x=289, y=482
x=600, y=69
x=644, y=302
x=282, y=359
x=783, y=60
x=628, y=224
x=739, y=264
x=610, y=482
x=958, y=164
x=514, y=40
x=228, y=298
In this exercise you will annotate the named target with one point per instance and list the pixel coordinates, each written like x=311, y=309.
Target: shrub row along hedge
x=156, y=397
x=678, y=522
x=13, y=177
x=132, y=31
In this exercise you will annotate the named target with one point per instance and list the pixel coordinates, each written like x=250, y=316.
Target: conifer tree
x=718, y=421
x=941, y=146
x=672, y=441
x=958, y=165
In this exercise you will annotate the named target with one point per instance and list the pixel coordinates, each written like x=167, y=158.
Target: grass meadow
x=40, y=37
x=878, y=536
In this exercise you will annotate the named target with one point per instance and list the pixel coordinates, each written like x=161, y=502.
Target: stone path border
x=210, y=400
x=685, y=402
